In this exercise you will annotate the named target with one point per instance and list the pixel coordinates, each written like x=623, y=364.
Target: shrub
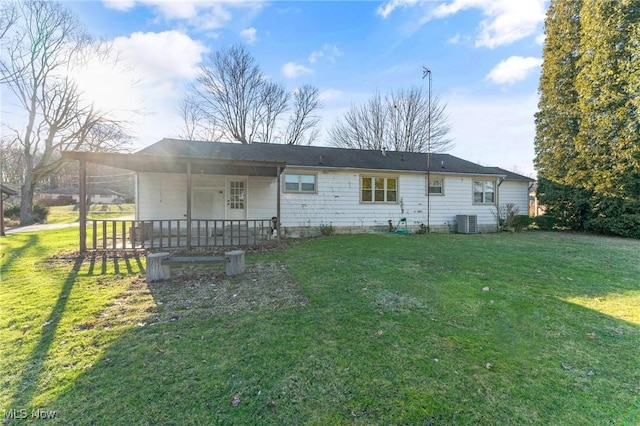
x=545, y=222
x=520, y=222
x=327, y=230
x=625, y=225
x=12, y=211
x=40, y=212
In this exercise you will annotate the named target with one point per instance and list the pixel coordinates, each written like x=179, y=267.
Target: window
x=436, y=186
x=484, y=192
x=379, y=190
x=299, y=183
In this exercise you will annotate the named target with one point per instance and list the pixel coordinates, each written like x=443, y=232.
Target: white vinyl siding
x=337, y=200
x=516, y=193
x=161, y=196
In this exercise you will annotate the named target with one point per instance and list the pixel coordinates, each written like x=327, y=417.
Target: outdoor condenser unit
x=467, y=224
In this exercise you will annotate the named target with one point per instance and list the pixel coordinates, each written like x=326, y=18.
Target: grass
x=71, y=213
x=530, y=328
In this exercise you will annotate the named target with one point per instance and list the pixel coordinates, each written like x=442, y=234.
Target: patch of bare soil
x=206, y=291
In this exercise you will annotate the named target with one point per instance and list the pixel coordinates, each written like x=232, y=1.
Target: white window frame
x=432, y=179
x=385, y=189
x=485, y=187
x=300, y=189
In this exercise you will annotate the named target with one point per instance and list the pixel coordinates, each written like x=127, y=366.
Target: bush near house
x=40, y=212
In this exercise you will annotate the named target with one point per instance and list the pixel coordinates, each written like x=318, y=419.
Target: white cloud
x=513, y=69
x=122, y=5
x=293, y=70
x=202, y=14
x=505, y=21
x=386, y=8
x=146, y=86
x=330, y=94
x=161, y=56
x=329, y=52
x=249, y=35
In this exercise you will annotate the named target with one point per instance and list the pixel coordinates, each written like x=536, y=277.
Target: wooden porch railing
x=168, y=234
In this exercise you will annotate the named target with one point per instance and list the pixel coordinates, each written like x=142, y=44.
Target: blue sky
x=484, y=55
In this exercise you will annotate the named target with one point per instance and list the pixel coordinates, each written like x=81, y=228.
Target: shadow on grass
x=10, y=257
x=102, y=264
x=28, y=383
x=128, y=263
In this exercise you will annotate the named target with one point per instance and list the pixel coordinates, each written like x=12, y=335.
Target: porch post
x=189, y=205
x=278, y=204
x=2, y=214
x=82, y=191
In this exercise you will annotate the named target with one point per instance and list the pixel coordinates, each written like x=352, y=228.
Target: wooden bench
x=159, y=264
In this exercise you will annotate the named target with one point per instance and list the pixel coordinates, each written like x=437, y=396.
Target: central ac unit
x=467, y=224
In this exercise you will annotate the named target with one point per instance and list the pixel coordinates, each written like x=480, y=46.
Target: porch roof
x=6, y=190
x=154, y=163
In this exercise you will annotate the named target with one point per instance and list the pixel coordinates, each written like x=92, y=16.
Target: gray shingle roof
x=511, y=175
x=319, y=156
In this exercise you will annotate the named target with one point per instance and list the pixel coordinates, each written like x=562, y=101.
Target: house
x=305, y=187
x=62, y=196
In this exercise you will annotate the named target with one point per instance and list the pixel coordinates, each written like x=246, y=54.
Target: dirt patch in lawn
x=204, y=291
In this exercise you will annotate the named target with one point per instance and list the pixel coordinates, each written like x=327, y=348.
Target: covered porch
x=192, y=230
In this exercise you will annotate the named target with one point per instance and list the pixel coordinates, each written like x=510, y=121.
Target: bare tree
x=230, y=91
x=197, y=124
x=303, y=122
x=12, y=163
x=400, y=121
x=273, y=103
x=42, y=50
x=8, y=18
x=364, y=127
x=233, y=95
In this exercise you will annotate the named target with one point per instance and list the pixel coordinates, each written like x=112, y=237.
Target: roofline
x=438, y=172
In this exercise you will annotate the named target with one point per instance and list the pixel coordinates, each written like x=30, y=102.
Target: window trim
x=373, y=177
x=484, y=181
x=435, y=194
x=299, y=190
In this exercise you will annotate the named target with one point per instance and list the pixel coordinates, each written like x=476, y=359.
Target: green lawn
x=70, y=214
x=529, y=328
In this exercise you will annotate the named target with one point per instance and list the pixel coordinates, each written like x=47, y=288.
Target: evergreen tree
x=608, y=143
x=587, y=126
x=558, y=120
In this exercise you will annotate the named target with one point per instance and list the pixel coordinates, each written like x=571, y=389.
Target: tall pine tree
x=608, y=142
x=558, y=120
x=587, y=126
